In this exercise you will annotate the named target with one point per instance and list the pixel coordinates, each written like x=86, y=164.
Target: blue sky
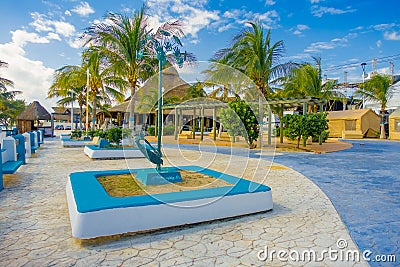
x=39, y=36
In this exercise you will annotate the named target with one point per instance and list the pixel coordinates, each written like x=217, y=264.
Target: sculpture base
x=156, y=177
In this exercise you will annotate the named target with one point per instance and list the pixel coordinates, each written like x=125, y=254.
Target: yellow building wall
x=370, y=121
x=335, y=128
x=393, y=135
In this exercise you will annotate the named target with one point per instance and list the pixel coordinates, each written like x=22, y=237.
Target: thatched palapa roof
x=172, y=84
x=33, y=112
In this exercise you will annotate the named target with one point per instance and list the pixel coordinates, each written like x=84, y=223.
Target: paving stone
x=35, y=228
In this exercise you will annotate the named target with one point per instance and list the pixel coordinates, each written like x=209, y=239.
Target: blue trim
x=90, y=195
x=110, y=148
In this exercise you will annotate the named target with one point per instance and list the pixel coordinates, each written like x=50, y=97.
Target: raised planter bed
x=94, y=213
x=96, y=152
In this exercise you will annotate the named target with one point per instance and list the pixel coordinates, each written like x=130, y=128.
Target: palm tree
x=253, y=53
x=70, y=84
x=378, y=89
x=102, y=82
x=306, y=81
x=3, y=81
x=119, y=39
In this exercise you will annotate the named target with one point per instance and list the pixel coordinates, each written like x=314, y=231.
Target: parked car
x=59, y=127
x=68, y=127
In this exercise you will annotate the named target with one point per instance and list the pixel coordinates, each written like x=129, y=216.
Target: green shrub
x=325, y=135
x=151, y=130
x=76, y=134
x=169, y=130
x=114, y=135
x=277, y=131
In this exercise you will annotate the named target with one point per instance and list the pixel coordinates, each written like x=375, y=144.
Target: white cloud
x=29, y=76
x=383, y=27
x=298, y=30
x=379, y=43
x=83, y=9
x=319, y=11
x=334, y=43
x=43, y=24
x=68, y=13
x=270, y=2
x=392, y=36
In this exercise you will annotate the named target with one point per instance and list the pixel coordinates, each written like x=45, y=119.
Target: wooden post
x=176, y=124
x=215, y=123
x=194, y=124
x=202, y=123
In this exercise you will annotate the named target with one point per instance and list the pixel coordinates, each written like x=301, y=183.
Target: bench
x=95, y=141
x=186, y=135
x=352, y=135
x=226, y=137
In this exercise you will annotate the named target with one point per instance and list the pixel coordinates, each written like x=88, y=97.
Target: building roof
x=395, y=114
x=348, y=114
x=33, y=112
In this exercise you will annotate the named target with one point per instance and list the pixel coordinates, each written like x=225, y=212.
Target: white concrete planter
x=102, y=215
x=94, y=152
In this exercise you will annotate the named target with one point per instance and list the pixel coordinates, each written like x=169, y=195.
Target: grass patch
x=124, y=185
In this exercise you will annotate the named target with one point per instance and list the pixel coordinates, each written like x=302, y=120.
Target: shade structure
x=35, y=111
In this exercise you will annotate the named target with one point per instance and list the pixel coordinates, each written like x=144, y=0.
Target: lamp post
x=87, y=99
x=363, y=81
x=72, y=110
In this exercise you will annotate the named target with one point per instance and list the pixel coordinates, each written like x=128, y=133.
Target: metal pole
x=363, y=81
x=159, y=112
x=72, y=112
x=269, y=125
x=87, y=100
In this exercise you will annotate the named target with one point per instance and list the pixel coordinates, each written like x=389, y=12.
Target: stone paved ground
x=35, y=230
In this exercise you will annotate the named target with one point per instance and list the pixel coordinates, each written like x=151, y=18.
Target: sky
x=39, y=36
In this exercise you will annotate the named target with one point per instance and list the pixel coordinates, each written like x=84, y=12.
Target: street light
x=363, y=81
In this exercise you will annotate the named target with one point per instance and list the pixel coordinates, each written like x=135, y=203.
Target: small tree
x=114, y=135
x=303, y=126
x=293, y=128
x=240, y=120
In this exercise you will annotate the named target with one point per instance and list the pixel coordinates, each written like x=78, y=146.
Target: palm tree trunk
x=94, y=111
x=80, y=115
x=383, y=133
x=260, y=121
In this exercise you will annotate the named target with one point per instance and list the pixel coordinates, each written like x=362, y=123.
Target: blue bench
x=33, y=147
x=11, y=166
x=1, y=170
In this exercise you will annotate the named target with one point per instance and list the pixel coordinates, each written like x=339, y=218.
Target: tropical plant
x=254, y=54
x=4, y=82
x=240, y=120
x=102, y=82
x=69, y=84
x=306, y=81
x=10, y=107
x=195, y=91
x=378, y=89
x=114, y=135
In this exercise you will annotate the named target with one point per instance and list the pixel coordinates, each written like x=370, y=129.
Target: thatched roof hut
x=147, y=96
x=34, y=112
